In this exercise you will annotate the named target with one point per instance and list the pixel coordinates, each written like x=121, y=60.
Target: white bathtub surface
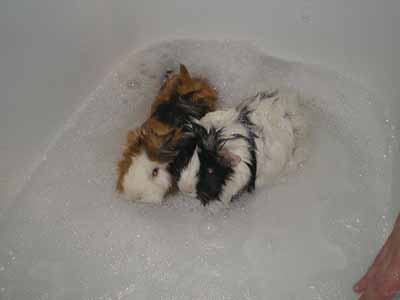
x=69, y=236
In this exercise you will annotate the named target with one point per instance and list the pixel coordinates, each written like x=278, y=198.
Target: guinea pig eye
x=155, y=172
x=210, y=171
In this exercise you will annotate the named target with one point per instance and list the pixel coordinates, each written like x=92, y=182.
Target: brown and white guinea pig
x=143, y=173
x=239, y=149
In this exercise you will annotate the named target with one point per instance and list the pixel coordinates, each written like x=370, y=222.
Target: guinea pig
x=242, y=148
x=143, y=173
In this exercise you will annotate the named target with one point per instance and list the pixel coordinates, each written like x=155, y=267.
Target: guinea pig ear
x=186, y=85
x=183, y=71
x=230, y=158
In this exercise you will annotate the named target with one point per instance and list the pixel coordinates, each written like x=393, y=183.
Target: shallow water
x=69, y=236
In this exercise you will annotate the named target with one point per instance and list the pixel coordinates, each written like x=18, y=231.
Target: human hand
x=382, y=280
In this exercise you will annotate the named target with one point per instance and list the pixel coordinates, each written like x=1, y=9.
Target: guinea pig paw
x=226, y=201
x=216, y=207
x=186, y=188
x=146, y=199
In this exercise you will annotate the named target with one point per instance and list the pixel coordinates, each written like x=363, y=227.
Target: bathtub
x=53, y=54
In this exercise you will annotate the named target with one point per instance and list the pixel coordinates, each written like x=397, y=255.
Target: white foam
x=71, y=237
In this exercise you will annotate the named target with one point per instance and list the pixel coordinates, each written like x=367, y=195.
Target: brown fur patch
x=184, y=84
x=153, y=134
x=160, y=148
x=204, y=92
x=133, y=148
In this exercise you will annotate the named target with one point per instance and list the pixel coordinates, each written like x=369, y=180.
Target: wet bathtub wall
x=53, y=53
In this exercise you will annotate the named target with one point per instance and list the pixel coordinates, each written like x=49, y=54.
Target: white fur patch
x=140, y=184
x=284, y=125
x=241, y=172
x=189, y=176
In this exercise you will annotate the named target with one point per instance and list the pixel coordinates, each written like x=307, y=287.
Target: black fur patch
x=252, y=147
x=179, y=109
x=214, y=171
x=167, y=150
x=176, y=112
x=185, y=148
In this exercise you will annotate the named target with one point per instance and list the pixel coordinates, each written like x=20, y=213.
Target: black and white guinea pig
x=236, y=150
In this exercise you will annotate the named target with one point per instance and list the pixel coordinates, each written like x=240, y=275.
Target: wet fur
x=179, y=99
x=209, y=146
x=261, y=133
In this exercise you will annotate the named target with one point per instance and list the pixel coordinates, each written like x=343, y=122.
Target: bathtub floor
x=69, y=236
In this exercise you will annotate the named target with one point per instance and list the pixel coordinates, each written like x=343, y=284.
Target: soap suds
x=69, y=236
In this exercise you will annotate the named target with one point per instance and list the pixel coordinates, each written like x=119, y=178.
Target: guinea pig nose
x=187, y=188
